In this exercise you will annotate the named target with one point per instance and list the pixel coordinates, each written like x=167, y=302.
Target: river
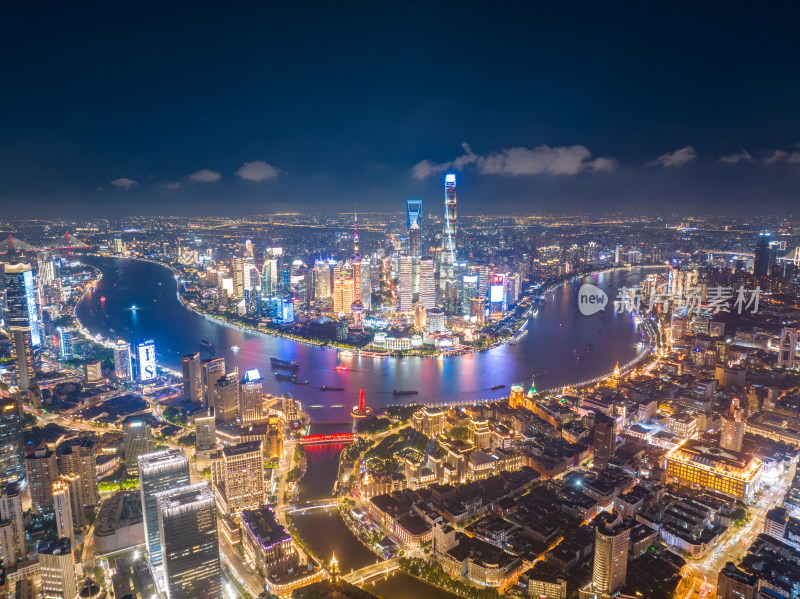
x=562, y=345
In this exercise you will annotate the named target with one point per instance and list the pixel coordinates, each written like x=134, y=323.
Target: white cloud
x=676, y=158
x=175, y=185
x=124, y=182
x=205, y=176
x=743, y=156
x=541, y=160
x=781, y=156
x=258, y=170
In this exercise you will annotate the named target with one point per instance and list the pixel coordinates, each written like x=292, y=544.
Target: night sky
x=120, y=107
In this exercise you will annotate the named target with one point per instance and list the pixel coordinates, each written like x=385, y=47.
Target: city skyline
x=540, y=108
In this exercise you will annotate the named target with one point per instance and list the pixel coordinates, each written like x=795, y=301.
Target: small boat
x=234, y=348
x=340, y=368
x=285, y=376
x=206, y=344
x=496, y=387
x=400, y=392
x=276, y=363
x=326, y=388
x=345, y=353
x=338, y=406
x=296, y=382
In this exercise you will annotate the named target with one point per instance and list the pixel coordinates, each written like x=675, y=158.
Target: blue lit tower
x=413, y=213
x=23, y=321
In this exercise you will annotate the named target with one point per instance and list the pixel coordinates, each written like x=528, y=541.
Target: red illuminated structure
x=361, y=410
x=333, y=438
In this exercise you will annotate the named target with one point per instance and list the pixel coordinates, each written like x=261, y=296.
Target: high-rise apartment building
x=226, y=397
x=158, y=472
x=733, y=425
x=210, y=371
x=137, y=440
x=251, y=397
x=75, y=486
x=63, y=511
x=237, y=477
x=192, y=378
x=205, y=431
x=12, y=459
x=23, y=321
x=57, y=570
x=187, y=522
x=77, y=456
x=41, y=471
x=11, y=513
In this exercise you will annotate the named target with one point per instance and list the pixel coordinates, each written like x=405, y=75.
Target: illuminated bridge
x=372, y=571
x=333, y=438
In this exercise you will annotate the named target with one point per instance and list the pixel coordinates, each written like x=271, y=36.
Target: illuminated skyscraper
x=251, y=402
x=610, y=554
x=450, y=233
x=11, y=513
x=205, y=431
x=63, y=511
x=41, y=471
x=187, y=522
x=405, y=294
x=343, y=289
x=137, y=440
x=210, y=371
x=763, y=256
x=12, y=468
x=192, y=378
x=146, y=361
x=733, y=425
x=77, y=457
x=23, y=321
x=226, y=397
x=274, y=448
x=237, y=477
x=604, y=439
x=413, y=213
x=415, y=251
x=787, y=348
x=57, y=570
x=427, y=283
x=123, y=366
x=269, y=277
x=158, y=472
x=321, y=276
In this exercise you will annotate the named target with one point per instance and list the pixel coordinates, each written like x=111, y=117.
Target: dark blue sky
x=112, y=107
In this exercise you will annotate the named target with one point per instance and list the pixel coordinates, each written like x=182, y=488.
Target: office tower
x=269, y=277
x=321, y=280
x=65, y=343
x=763, y=256
x=57, y=570
x=610, y=554
x=469, y=291
x=274, y=448
x=159, y=471
x=8, y=549
x=123, y=367
x=11, y=512
x=146, y=361
x=238, y=278
x=192, y=378
x=733, y=425
x=477, y=309
x=405, y=290
x=237, y=477
x=63, y=511
x=415, y=251
x=12, y=458
x=205, y=431
x=248, y=248
x=251, y=401
x=366, y=285
x=787, y=349
x=187, y=522
x=343, y=289
x=22, y=318
x=137, y=440
x=605, y=439
x=413, y=214
x=77, y=456
x=41, y=471
x=450, y=233
x=226, y=397
x=427, y=283
x=211, y=370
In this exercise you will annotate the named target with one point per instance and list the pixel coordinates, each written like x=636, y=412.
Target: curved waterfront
x=561, y=343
